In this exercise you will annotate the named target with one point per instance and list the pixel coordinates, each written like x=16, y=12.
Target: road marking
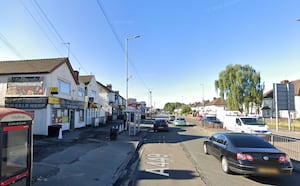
x=160, y=161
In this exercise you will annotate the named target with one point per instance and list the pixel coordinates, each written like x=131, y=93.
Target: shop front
x=68, y=114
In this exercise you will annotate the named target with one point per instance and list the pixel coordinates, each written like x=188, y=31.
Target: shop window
x=60, y=116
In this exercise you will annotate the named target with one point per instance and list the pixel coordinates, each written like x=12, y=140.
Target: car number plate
x=268, y=170
x=161, y=127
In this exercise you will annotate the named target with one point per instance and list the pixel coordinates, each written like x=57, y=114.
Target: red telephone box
x=16, y=147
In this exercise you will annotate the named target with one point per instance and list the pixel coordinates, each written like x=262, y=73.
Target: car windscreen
x=252, y=121
x=248, y=141
x=160, y=122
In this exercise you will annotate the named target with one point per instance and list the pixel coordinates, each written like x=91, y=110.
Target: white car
x=179, y=121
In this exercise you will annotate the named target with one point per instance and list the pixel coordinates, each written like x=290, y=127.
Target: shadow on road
x=172, y=136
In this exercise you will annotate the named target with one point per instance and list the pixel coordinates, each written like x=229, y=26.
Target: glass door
x=15, y=152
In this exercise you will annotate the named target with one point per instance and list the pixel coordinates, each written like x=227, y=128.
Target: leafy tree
x=240, y=86
x=186, y=109
x=170, y=107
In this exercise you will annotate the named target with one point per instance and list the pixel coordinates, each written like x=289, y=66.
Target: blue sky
x=183, y=47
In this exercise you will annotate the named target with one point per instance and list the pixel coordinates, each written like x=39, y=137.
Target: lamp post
x=202, y=85
x=127, y=78
x=150, y=92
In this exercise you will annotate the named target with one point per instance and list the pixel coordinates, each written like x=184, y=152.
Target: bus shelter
x=16, y=147
x=133, y=121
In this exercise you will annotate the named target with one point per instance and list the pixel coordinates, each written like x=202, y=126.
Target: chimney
x=284, y=82
x=109, y=86
x=76, y=74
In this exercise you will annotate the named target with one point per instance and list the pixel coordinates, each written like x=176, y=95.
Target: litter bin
x=53, y=130
x=113, y=133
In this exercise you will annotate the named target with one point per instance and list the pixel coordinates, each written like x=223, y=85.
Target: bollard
x=59, y=134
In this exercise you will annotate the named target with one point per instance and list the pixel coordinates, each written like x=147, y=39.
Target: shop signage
x=70, y=104
x=25, y=86
x=54, y=90
x=53, y=100
x=26, y=103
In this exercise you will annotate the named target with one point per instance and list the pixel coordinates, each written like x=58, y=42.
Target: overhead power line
x=41, y=28
x=10, y=46
x=113, y=30
x=57, y=33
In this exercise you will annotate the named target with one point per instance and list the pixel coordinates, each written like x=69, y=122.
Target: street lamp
x=127, y=78
x=203, y=103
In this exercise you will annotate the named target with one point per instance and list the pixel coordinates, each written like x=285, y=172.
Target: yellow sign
x=54, y=90
x=53, y=100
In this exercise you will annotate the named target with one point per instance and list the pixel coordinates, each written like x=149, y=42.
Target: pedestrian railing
x=289, y=145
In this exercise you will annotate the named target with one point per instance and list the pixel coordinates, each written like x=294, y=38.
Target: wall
x=297, y=106
x=3, y=87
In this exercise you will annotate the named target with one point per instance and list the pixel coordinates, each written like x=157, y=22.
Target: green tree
x=170, y=107
x=186, y=109
x=241, y=87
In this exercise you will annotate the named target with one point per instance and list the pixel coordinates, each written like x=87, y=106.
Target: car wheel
x=205, y=148
x=224, y=164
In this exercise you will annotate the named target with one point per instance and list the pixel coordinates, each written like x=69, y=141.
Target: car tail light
x=242, y=156
x=284, y=158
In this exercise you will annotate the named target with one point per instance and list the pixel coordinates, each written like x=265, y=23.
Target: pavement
x=85, y=156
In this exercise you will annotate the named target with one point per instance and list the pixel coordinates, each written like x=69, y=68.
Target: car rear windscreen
x=248, y=141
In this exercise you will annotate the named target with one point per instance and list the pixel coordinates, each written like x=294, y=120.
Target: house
x=107, y=97
x=94, y=111
x=215, y=106
x=268, y=106
x=49, y=89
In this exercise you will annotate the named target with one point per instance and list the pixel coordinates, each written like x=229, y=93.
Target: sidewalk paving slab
x=95, y=162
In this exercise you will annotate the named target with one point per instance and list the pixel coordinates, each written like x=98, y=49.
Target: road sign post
x=284, y=99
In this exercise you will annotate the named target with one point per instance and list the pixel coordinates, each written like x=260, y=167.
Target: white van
x=247, y=124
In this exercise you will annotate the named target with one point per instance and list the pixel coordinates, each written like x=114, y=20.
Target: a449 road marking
x=160, y=161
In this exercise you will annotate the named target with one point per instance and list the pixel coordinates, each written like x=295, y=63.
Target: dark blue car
x=212, y=121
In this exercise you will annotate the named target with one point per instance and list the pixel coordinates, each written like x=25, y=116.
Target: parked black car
x=212, y=121
x=160, y=124
x=247, y=154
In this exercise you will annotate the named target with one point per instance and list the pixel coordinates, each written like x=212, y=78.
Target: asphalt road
x=176, y=158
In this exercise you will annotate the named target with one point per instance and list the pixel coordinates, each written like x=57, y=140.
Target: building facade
x=56, y=95
x=47, y=88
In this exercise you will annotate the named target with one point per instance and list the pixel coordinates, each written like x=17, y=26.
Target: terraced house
x=53, y=93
